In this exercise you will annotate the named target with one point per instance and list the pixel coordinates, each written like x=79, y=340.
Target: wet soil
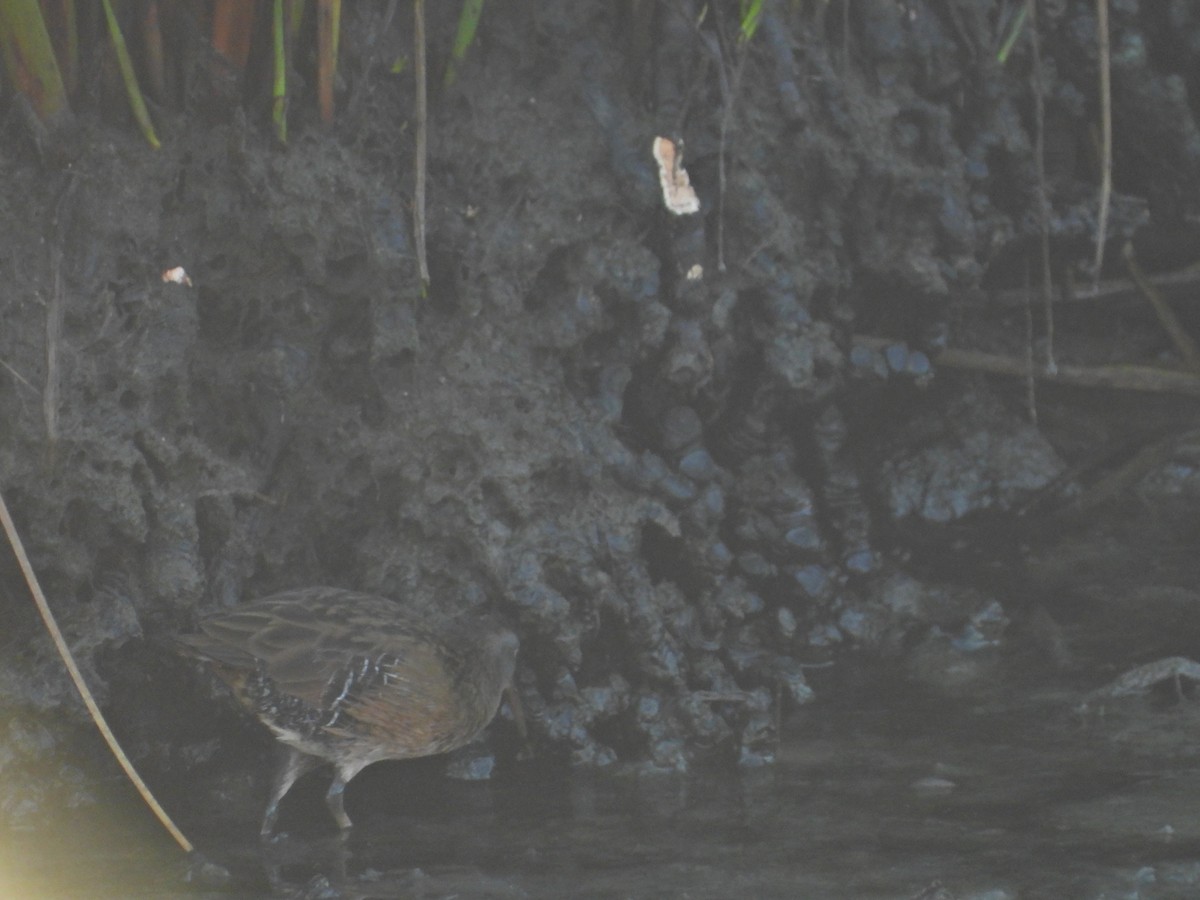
x=712, y=467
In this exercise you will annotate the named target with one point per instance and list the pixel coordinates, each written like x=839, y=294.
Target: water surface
x=891, y=797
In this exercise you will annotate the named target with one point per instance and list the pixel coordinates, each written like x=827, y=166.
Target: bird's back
x=336, y=672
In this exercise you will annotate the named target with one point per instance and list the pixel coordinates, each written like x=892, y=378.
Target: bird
x=351, y=679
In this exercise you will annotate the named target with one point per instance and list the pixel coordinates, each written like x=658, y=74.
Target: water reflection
x=901, y=798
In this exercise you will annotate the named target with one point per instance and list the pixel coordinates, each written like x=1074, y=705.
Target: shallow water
x=887, y=797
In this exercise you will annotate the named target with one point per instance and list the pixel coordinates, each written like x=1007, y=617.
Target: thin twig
x=54, y=314
x=1042, y=200
x=1151, y=379
x=729, y=89
x=726, y=116
x=60, y=643
x=53, y=340
x=1122, y=376
x=422, y=138
x=1105, y=133
x=727, y=101
x=845, y=37
x=1119, y=481
x=1112, y=289
x=1030, y=381
x=21, y=378
x=1183, y=342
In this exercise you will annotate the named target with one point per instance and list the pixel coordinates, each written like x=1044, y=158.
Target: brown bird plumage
x=353, y=679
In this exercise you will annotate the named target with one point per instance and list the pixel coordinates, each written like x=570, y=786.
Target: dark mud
x=701, y=501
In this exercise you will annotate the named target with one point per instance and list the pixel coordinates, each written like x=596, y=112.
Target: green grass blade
x=136, y=101
x=279, y=87
x=295, y=19
x=29, y=58
x=751, y=16
x=468, y=24
x=1014, y=32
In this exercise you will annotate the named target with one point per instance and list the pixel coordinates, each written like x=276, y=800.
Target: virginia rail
x=352, y=679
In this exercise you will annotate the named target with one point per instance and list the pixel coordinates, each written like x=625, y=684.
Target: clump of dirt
x=680, y=484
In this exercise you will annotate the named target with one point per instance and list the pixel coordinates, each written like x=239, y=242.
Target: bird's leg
x=292, y=764
x=334, y=796
x=518, y=714
x=333, y=799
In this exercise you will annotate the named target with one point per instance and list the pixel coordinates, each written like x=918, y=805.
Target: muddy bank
x=683, y=491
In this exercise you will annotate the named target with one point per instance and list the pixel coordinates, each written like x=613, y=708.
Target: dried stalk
x=1042, y=200
x=1105, y=132
x=1184, y=345
x=1150, y=379
x=422, y=138
x=60, y=643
